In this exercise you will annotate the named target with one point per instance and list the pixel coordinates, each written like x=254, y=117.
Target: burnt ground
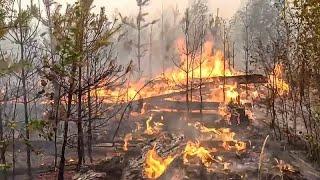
x=279, y=160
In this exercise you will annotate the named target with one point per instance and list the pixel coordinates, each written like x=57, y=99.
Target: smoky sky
x=129, y=7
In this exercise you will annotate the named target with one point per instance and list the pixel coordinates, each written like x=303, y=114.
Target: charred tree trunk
x=139, y=20
x=66, y=125
x=2, y=140
x=80, y=146
x=187, y=54
x=150, y=51
x=89, y=130
x=224, y=63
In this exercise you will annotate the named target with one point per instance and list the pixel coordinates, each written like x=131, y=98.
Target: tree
x=194, y=28
x=22, y=34
x=84, y=44
x=139, y=25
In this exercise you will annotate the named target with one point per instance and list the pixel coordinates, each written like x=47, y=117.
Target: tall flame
x=277, y=82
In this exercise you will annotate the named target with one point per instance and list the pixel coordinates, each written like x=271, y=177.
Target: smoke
x=155, y=9
x=129, y=7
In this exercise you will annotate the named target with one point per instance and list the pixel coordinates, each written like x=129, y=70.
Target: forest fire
x=96, y=90
x=206, y=65
x=155, y=165
x=212, y=65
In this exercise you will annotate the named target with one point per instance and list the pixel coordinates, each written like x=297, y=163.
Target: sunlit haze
x=227, y=7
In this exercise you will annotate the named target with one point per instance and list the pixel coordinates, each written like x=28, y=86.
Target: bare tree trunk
x=89, y=130
x=139, y=38
x=150, y=52
x=66, y=125
x=187, y=79
x=13, y=132
x=24, y=92
x=224, y=62
x=89, y=126
x=26, y=119
x=56, y=120
x=233, y=55
x=200, y=88
x=247, y=50
x=187, y=59
x=80, y=146
x=2, y=148
x=162, y=41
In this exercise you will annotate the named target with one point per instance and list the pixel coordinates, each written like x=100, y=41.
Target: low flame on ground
x=155, y=165
x=127, y=138
x=195, y=150
x=203, y=128
x=283, y=166
x=227, y=136
x=155, y=129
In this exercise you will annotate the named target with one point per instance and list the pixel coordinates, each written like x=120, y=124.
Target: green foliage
x=42, y=128
x=7, y=68
x=70, y=30
x=4, y=167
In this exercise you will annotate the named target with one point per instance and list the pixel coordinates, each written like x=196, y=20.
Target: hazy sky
x=227, y=7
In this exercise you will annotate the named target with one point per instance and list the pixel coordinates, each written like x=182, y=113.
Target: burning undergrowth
x=208, y=140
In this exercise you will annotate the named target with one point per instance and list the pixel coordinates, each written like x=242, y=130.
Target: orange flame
x=203, y=128
x=195, y=150
x=127, y=138
x=155, y=165
x=277, y=82
x=153, y=130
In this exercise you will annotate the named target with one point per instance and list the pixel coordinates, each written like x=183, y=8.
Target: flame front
x=212, y=65
x=155, y=165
